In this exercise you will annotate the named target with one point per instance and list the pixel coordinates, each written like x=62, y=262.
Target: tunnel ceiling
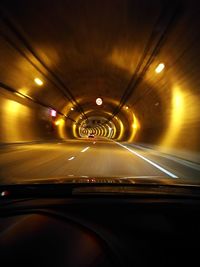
x=109, y=49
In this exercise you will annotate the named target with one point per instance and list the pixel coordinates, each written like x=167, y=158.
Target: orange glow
x=134, y=129
x=61, y=129
x=121, y=131
x=16, y=122
x=20, y=95
x=74, y=129
x=177, y=116
x=38, y=81
x=24, y=91
x=57, y=122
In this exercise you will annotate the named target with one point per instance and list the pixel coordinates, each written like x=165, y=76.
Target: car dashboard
x=98, y=230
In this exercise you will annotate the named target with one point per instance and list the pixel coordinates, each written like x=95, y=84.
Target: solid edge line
x=149, y=161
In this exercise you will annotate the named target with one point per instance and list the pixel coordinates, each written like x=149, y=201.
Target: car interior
x=87, y=229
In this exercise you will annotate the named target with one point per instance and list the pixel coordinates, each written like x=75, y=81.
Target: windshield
x=101, y=90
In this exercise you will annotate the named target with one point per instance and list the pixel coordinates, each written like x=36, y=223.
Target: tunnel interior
x=141, y=59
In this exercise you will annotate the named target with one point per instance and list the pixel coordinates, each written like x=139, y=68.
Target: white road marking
x=149, y=161
x=71, y=158
x=174, y=158
x=85, y=149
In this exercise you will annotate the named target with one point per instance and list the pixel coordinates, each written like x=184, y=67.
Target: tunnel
x=125, y=71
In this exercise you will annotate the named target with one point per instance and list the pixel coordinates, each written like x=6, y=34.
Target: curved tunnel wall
x=24, y=121
x=163, y=111
x=170, y=122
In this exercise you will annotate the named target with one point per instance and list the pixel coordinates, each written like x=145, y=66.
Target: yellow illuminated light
x=74, y=129
x=135, y=128
x=24, y=91
x=20, y=95
x=160, y=68
x=177, y=116
x=126, y=107
x=121, y=129
x=38, y=81
x=61, y=128
x=105, y=131
x=100, y=131
x=16, y=121
x=99, y=101
x=177, y=107
x=57, y=122
x=114, y=132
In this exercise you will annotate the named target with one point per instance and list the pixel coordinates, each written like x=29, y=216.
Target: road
x=88, y=158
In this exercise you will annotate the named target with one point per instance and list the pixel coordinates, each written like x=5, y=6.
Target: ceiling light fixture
x=38, y=81
x=53, y=113
x=99, y=101
x=160, y=68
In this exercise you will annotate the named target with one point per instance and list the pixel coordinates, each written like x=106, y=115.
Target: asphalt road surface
x=88, y=158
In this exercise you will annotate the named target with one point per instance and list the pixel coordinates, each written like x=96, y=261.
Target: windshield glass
x=99, y=90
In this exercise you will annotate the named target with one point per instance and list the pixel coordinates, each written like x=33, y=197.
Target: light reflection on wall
x=61, y=129
x=121, y=132
x=15, y=121
x=177, y=117
x=74, y=130
x=134, y=128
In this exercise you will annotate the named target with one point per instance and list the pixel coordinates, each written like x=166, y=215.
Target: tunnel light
x=126, y=107
x=160, y=68
x=134, y=126
x=57, y=122
x=72, y=109
x=20, y=95
x=38, y=81
x=53, y=113
x=99, y=101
